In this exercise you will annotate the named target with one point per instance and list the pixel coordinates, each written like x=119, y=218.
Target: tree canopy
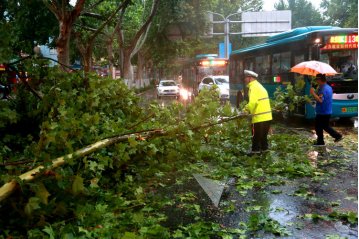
x=303, y=12
x=342, y=13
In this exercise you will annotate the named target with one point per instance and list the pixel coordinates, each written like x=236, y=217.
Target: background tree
x=303, y=12
x=24, y=23
x=89, y=29
x=342, y=13
x=131, y=32
x=66, y=16
x=180, y=27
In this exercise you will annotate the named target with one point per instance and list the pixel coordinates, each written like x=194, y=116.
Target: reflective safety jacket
x=258, y=104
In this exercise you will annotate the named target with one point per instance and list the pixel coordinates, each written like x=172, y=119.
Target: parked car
x=221, y=81
x=168, y=88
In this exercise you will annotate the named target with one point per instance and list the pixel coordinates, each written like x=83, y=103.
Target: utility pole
x=226, y=21
x=227, y=30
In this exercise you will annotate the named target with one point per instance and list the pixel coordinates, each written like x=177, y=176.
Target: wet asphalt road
x=285, y=207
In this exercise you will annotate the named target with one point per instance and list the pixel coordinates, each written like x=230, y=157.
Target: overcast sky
x=268, y=5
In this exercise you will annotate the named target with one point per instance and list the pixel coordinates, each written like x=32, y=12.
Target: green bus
x=273, y=60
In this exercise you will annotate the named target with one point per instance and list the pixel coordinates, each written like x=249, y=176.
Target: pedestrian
x=259, y=107
x=323, y=110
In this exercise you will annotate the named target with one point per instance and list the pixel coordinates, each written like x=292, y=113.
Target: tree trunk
x=109, y=44
x=140, y=66
x=87, y=58
x=66, y=19
x=63, y=45
x=127, y=72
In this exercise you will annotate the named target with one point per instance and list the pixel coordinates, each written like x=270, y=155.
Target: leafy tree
x=342, y=13
x=24, y=23
x=303, y=12
x=66, y=16
x=86, y=35
x=131, y=32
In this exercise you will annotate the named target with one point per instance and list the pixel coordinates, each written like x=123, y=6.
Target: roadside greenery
x=138, y=189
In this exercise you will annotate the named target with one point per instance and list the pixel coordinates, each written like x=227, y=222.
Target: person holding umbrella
x=323, y=110
x=323, y=98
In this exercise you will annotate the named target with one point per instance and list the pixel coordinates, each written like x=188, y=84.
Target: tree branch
x=121, y=6
x=145, y=25
x=118, y=27
x=77, y=9
x=8, y=188
x=93, y=15
x=53, y=7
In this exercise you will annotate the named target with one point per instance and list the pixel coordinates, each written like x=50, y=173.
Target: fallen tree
x=8, y=188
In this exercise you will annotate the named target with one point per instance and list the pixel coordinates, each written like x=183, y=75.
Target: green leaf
x=130, y=235
x=42, y=193
x=49, y=231
x=132, y=142
x=178, y=234
x=78, y=185
x=32, y=205
x=227, y=237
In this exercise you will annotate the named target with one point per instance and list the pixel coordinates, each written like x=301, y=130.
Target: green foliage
x=340, y=13
x=18, y=20
x=290, y=98
x=259, y=221
x=303, y=12
x=117, y=192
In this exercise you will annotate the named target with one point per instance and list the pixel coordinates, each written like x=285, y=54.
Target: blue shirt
x=325, y=108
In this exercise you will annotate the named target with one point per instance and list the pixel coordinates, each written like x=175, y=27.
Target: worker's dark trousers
x=322, y=123
x=259, y=136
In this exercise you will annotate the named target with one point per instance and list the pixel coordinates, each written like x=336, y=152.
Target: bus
x=196, y=69
x=273, y=60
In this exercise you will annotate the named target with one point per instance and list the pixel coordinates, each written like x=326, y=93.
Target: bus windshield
x=342, y=61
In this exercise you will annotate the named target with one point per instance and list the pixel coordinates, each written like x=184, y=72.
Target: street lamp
x=227, y=32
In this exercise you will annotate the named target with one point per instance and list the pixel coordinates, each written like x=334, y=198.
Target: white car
x=221, y=81
x=168, y=88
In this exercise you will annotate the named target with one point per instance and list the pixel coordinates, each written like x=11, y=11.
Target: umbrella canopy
x=313, y=68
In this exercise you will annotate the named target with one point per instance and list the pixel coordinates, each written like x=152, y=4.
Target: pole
x=227, y=30
x=226, y=38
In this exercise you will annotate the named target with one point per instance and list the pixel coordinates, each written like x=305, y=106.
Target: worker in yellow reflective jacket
x=259, y=108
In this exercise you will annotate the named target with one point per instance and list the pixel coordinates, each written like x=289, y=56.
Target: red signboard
x=340, y=42
x=339, y=46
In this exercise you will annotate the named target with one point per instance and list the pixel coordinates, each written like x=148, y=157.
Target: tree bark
x=66, y=19
x=109, y=48
x=140, y=67
x=127, y=72
x=63, y=45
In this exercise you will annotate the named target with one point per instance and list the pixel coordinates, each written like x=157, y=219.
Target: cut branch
x=8, y=188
